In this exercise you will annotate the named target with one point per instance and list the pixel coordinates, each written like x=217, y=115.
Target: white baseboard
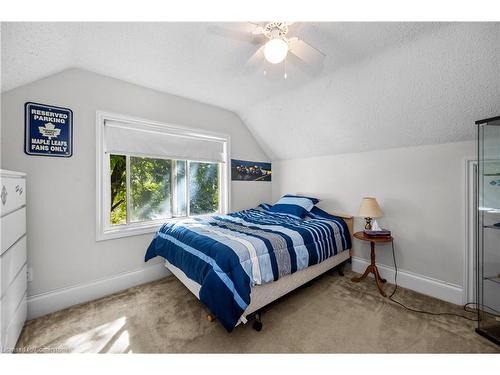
x=48, y=302
x=426, y=285
x=55, y=300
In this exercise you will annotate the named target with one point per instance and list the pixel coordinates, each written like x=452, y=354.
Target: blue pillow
x=318, y=213
x=294, y=205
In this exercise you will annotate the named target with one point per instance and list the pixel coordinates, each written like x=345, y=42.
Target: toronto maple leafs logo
x=49, y=130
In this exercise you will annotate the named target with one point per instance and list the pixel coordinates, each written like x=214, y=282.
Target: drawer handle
x=19, y=190
x=4, y=194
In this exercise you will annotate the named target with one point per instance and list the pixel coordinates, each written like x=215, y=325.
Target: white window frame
x=104, y=229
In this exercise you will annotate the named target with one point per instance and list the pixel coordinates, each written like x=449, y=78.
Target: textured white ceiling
x=382, y=84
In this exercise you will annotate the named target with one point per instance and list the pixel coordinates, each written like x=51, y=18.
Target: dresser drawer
x=15, y=327
x=13, y=227
x=12, y=194
x=12, y=297
x=11, y=263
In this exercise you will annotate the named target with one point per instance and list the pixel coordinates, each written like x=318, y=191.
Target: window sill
x=127, y=231
x=138, y=229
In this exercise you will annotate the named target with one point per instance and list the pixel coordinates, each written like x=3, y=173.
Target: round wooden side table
x=372, y=267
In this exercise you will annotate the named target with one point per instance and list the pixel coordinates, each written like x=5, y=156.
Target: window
x=158, y=187
x=150, y=173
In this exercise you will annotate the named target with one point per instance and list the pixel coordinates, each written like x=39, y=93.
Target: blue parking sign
x=48, y=130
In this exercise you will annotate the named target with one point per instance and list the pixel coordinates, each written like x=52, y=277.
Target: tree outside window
x=157, y=188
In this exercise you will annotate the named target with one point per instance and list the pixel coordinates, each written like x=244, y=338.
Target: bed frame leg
x=211, y=317
x=257, y=323
x=340, y=269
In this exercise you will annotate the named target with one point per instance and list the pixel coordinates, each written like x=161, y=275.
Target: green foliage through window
x=158, y=188
x=203, y=188
x=118, y=172
x=150, y=189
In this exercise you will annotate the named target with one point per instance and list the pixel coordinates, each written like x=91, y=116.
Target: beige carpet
x=331, y=315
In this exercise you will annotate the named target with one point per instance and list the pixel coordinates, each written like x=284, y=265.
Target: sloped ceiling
x=382, y=84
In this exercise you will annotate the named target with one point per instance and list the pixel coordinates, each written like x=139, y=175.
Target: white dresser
x=13, y=277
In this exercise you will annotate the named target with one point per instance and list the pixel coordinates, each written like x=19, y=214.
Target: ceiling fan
x=275, y=43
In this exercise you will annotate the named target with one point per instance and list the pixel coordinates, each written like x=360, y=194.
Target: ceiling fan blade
x=235, y=33
x=255, y=59
x=258, y=30
x=255, y=28
x=306, y=52
x=312, y=70
x=294, y=27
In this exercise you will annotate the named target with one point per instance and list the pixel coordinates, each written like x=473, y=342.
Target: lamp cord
x=391, y=297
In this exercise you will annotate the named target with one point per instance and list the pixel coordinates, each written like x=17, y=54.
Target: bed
x=238, y=263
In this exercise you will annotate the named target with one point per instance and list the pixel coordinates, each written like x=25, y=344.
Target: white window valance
x=154, y=140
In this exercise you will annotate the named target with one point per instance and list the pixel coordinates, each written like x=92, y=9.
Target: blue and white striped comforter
x=228, y=254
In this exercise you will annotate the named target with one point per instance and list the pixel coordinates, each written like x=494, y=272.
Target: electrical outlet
x=29, y=273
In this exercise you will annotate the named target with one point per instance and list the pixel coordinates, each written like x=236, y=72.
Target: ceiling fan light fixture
x=276, y=50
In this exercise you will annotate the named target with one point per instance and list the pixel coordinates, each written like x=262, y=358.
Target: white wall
x=421, y=191
x=61, y=197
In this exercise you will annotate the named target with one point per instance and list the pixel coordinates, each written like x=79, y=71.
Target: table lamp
x=369, y=209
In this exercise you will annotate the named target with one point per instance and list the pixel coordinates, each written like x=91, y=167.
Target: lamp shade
x=369, y=208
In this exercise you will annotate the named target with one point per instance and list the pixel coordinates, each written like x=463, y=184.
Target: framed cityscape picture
x=243, y=170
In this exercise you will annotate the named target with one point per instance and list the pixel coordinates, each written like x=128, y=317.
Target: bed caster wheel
x=257, y=326
x=257, y=323
x=210, y=317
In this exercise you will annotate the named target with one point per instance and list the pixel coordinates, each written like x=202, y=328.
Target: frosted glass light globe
x=275, y=50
